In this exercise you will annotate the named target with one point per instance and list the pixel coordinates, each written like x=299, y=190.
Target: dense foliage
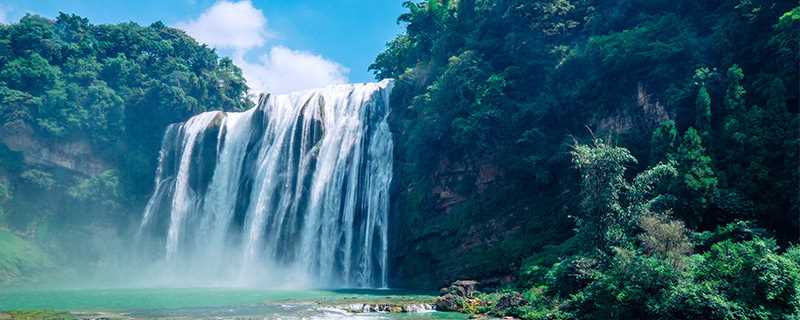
x=67, y=85
x=599, y=159
x=504, y=98
x=503, y=87
x=656, y=268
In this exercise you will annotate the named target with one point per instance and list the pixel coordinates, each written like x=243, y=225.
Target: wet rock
x=418, y=307
x=74, y=155
x=449, y=302
x=386, y=307
x=457, y=296
x=461, y=288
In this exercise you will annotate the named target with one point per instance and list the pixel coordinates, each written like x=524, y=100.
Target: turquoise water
x=219, y=303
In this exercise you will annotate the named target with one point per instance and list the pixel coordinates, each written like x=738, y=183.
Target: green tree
x=786, y=34
x=610, y=205
x=697, y=180
x=35, y=34
x=739, y=280
x=32, y=74
x=602, y=169
x=664, y=141
x=703, y=111
x=735, y=94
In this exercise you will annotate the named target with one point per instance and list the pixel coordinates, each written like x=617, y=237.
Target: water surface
x=216, y=303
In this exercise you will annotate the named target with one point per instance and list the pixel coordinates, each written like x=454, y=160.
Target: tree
x=30, y=73
x=602, y=171
x=697, y=181
x=734, y=96
x=663, y=142
x=610, y=205
x=665, y=238
x=703, y=111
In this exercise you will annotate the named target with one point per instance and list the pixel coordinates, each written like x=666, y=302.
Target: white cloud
x=232, y=25
x=285, y=70
x=242, y=28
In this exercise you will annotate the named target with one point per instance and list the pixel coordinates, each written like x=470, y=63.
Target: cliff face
x=75, y=156
x=458, y=217
x=467, y=215
x=50, y=183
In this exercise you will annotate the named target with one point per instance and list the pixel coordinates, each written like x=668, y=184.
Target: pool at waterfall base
x=217, y=303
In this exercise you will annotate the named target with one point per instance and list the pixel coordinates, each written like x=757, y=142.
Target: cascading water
x=295, y=189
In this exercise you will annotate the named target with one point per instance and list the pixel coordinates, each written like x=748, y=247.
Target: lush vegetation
x=589, y=159
x=636, y=261
x=67, y=85
x=632, y=159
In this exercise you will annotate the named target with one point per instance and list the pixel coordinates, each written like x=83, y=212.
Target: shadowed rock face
x=292, y=192
x=73, y=155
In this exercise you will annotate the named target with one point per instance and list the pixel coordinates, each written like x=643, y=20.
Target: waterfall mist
x=291, y=193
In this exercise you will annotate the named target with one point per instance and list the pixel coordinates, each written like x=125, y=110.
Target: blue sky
x=297, y=45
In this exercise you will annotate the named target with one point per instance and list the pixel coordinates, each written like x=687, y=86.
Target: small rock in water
x=386, y=307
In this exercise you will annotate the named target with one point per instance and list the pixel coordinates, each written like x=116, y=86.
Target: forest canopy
x=633, y=159
x=711, y=85
x=114, y=87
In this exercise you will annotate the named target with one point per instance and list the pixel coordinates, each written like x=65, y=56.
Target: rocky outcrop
x=458, y=297
x=72, y=155
x=463, y=296
x=462, y=288
x=386, y=307
x=456, y=216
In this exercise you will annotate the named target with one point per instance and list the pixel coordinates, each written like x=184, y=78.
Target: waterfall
x=295, y=189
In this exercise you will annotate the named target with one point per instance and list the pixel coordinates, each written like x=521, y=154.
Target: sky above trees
x=281, y=46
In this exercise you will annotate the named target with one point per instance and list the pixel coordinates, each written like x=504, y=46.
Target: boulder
x=449, y=302
x=461, y=288
x=458, y=295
